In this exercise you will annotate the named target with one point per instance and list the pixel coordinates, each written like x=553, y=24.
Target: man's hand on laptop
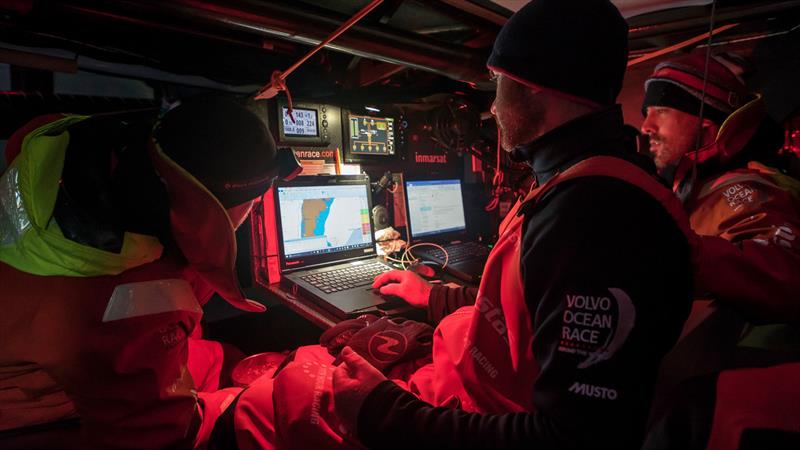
x=406, y=285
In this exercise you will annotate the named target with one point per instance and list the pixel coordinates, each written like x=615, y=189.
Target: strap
x=609, y=166
x=151, y=297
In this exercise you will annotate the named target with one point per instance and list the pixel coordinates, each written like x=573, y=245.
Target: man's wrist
x=373, y=409
x=433, y=289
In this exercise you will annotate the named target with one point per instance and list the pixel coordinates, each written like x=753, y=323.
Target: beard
x=667, y=153
x=517, y=128
x=657, y=150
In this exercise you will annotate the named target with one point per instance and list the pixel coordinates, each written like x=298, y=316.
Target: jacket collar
x=734, y=133
x=592, y=134
x=728, y=150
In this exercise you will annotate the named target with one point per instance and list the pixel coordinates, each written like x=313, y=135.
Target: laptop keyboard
x=346, y=277
x=459, y=252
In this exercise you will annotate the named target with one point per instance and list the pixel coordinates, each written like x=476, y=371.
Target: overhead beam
x=290, y=22
x=477, y=10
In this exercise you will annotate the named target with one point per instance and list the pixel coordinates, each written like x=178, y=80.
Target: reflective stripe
x=151, y=297
x=14, y=220
x=30, y=241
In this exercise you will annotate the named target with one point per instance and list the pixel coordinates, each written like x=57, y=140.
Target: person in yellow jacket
x=112, y=236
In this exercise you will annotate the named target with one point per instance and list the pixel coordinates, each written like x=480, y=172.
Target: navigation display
x=305, y=122
x=371, y=135
x=324, y=219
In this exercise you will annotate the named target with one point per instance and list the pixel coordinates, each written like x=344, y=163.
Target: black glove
x=337, y=337
x=389, y=341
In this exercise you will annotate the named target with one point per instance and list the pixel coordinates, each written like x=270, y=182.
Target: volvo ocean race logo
x=596, y=325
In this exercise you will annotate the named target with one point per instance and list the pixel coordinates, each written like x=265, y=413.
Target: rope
x=698, y=140
x=277, y=82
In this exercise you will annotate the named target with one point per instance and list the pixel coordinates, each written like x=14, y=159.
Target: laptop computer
x=435, y=213
x=327, y=244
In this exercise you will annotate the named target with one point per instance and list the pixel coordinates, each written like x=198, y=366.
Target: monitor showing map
x=371, y=135
x=324, y=219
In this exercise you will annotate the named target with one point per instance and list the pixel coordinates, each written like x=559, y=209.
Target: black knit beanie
x=222, y=144
x=577, y=47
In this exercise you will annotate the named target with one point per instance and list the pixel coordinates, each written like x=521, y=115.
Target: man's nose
x=493, y=108
x=648, y=127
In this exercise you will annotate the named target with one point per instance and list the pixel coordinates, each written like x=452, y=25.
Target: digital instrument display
x=304, y=124
x=371, y=135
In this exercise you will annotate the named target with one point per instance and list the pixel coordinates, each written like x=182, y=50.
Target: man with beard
x=747, y=212
x=728, y=383
x=586, y=289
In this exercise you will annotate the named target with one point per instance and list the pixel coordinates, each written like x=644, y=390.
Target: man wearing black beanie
x=559, y=347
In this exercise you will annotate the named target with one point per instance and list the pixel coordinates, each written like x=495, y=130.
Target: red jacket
x=751, y=253
x=114, y=345
x=749, y=218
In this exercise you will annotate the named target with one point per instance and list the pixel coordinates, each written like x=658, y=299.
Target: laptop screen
x=324, y=219
x=434, y=207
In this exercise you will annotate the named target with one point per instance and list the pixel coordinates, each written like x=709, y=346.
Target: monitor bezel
x=306, y=261
x=296, y=140
x=442, y=236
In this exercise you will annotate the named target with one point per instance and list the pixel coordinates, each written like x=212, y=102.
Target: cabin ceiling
x=421, y=47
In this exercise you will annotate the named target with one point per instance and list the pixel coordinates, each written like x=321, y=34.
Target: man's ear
x=710, y=130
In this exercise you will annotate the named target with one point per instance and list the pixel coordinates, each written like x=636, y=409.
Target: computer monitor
x=325, y=219
x=434, y=207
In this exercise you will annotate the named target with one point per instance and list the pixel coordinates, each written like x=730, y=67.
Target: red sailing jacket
x=115, y=346
x=749, y=218
x=750, y=254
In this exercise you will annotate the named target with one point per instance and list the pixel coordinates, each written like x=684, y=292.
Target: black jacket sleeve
x=584, y=238
x=443, y=300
